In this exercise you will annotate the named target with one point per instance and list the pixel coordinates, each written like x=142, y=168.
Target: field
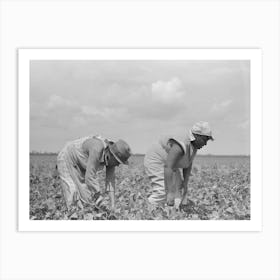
x=219, y=189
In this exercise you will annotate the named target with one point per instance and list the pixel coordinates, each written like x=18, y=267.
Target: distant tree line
x=43, y=153
x=142, y=155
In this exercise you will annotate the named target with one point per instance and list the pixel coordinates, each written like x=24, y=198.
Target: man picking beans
x=168, y=164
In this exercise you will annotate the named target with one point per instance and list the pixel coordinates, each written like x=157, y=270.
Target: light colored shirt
x=188, y=149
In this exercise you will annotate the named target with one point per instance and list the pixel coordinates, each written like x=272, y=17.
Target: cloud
x=56, y=101
x=221, y=107
x=57, y=111
x=138, y=100
x=79, y=120
x=153, y=99
x=167, y=91
x=149, y=100
x=244, y=125
x=103, y=112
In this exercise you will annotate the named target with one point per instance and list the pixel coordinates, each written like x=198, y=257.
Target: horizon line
x=143, y=154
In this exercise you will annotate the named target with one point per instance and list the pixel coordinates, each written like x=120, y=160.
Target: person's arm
x=186, y=175
x=173, y=156
x=110, y=184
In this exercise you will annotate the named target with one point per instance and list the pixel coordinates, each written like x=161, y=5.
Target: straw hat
x=120, y=150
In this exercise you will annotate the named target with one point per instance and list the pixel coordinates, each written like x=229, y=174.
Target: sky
x=140, y=101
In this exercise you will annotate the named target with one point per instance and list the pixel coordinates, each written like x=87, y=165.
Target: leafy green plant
x=217, y=191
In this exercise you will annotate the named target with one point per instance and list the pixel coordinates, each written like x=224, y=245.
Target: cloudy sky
x=139, y=101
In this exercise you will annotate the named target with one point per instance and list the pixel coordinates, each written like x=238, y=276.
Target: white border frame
x=24, y=57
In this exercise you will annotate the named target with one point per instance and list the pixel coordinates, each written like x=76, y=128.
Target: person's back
x=158, y=152
x=165, y=160
x=155, y=160
x=79, y=161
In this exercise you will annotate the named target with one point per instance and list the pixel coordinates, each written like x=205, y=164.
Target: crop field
x=219, y=189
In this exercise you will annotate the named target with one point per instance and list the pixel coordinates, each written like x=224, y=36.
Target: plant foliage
x=218, y=190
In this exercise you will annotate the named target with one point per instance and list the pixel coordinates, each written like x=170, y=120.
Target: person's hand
x=177, y=203
x=170, y=199
x=184, y=200
x=113, y=207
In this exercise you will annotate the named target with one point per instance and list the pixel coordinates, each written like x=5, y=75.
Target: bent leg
x=178, y=183
x=155, y=172
x=67, y=183
x=68, y=187
x=174, y=196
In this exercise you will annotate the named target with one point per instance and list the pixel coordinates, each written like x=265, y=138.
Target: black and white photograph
x=142, y=139
x=139, y=140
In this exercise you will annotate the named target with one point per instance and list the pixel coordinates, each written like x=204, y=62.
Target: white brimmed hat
x=202, y=128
